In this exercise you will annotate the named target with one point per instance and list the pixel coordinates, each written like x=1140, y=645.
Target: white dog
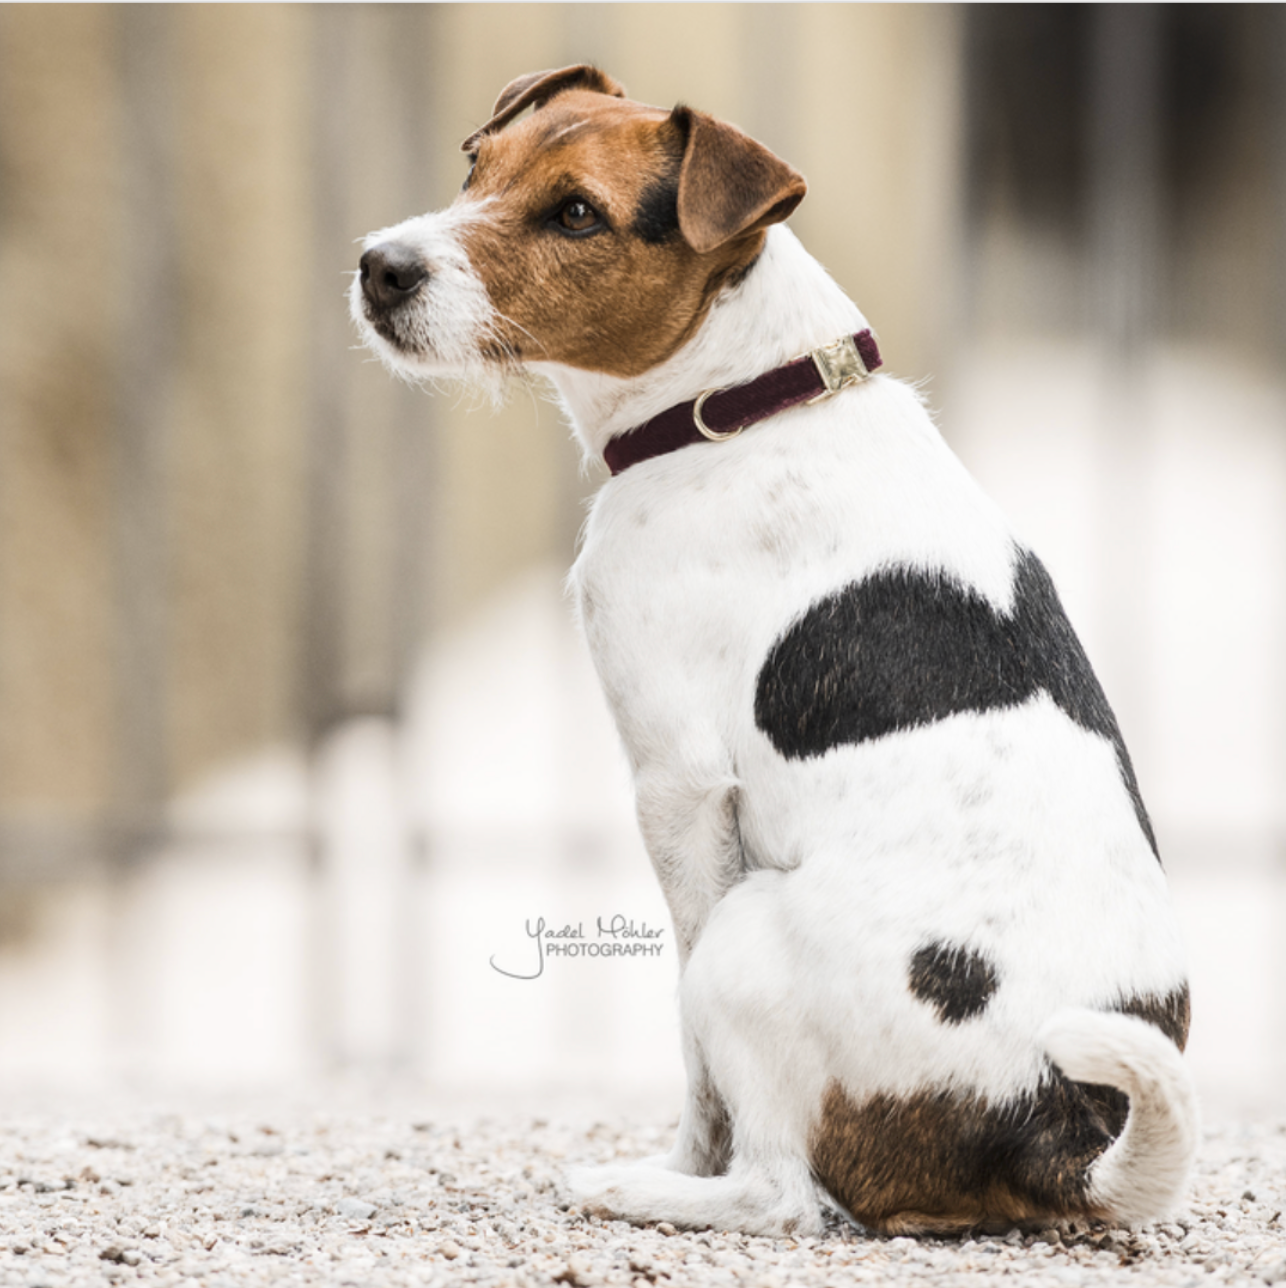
x=931, y=974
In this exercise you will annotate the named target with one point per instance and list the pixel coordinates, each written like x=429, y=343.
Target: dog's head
x=593, y=233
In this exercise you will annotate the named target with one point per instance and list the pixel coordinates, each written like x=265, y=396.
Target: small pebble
x=355, y=1209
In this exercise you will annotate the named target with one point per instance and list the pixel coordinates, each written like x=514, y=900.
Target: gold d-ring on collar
x=712, y=434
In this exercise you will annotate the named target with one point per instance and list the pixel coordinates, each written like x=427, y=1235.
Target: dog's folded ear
x=536, y=89
x=728, y=183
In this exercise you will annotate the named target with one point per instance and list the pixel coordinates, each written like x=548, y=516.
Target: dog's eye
x=577, y=216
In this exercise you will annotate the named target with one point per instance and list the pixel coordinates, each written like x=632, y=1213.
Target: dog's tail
x=1142, y=1175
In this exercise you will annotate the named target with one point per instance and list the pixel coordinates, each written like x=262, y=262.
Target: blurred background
x=297, y=738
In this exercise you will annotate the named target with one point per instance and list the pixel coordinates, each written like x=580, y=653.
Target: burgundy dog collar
x=720, y=414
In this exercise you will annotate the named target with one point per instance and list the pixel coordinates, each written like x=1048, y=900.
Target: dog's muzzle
x=391, y=274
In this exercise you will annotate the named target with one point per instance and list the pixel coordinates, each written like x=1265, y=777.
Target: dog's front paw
x=756, y=1201
x=598, y=1191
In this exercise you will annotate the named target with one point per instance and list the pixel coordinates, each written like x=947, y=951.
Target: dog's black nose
x=391, y=274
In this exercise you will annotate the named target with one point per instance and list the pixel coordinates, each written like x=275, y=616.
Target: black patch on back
x=657, y=218
x=957, y=981
x=906, y=648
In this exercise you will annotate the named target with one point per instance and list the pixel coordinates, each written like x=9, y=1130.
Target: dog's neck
x=786, y=305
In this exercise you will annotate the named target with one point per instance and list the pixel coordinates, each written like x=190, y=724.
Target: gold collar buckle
x=839, y=364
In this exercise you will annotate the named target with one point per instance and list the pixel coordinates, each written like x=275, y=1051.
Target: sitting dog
x=930, y=971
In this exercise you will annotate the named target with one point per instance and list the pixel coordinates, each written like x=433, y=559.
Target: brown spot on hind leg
x=938, y=1162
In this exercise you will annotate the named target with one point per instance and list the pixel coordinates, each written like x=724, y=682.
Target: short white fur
x=443, y=338
x=799, y=888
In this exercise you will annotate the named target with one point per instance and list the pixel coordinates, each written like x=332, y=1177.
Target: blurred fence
x=235, y=556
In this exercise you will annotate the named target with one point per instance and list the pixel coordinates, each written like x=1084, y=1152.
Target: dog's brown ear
x=728, y=183
x=536, y=89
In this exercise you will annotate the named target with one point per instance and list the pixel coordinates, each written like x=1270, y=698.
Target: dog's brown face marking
x=580, y=237
x=573, y=251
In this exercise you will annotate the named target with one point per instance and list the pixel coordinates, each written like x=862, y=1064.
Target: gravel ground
x=306, y=1197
